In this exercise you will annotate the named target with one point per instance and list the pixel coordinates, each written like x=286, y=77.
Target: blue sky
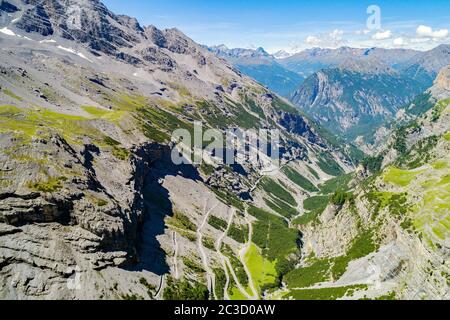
x=293, y=25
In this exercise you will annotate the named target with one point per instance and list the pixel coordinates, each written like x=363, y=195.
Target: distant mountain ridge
x=239, y=54
x=359, y=90
x=261, y=66
x=292, y=69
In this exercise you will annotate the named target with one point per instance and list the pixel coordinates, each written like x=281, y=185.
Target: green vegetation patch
x=158, y=124
x=117, y=151
x=447, y=136
x=253, y=106
x=395, y=202
x=208, y=243
x=236, y=264
x=150, y=288
x=419, y=154
x=329, y=165
x=185, y=290
x=390, y=296
x=217, y=223
x=193, y=266
x=318, y=203
x=431, y=216
x=96, y=112
x=220, y=281
x=262, y=271
x=35, y=122
x=313, y=172
x=275, y=189
x=335, y=184
x=238, y=233
x=401, y=133
x=49, y=186
x=127, y=102
x=333, y=293
x=12, y=94
x=306, y=218
x=281, y=207
x=299, y=180
x=373, y=164
x=438, y=109
x=316, y=272
x=320, y=270
x=362, y=246
x=400, y=177
x=339, y=198
x=275, y=238
x=242, y=117
x=314, y=207
x=216, y=118
x=181, y=221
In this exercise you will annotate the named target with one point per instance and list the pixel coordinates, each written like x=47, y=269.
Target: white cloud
x=362, y=32
x=313, y=40
x=428, y=32
x=420, y=40
x=336, y=34
x=333, y=39
x=399, y=41
x=382, y=35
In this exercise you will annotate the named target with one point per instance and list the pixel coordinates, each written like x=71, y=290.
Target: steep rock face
x=37, y=20
x=350, y=103
x=441, y=87
x=89, y=22
x=40, y=192
x=8, y=7
x=65, y=228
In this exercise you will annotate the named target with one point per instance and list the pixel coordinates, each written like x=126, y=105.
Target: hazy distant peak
x=282, y=54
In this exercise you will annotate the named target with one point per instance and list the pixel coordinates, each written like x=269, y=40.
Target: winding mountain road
x=209, y=274
x=175, y=256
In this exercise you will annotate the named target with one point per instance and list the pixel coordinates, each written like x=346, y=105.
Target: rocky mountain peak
x=433, y=60
x=240, y=53
x=443, y=79
x=281, y=54
x=133, y=23
x=441, y=86
x=85, y=21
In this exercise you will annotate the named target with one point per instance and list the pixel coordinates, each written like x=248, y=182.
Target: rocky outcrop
x=158, y=58
x=8, y=7
x=85, y=223
x=37, y=20
x=441, y=88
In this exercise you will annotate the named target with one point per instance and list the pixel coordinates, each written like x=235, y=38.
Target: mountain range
x=262, y=67
x=348, y=91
